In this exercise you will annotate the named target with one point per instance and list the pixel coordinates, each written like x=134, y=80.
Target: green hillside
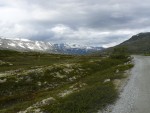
x=139, y=43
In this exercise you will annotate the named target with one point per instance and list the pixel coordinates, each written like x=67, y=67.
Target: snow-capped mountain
x=40, y=46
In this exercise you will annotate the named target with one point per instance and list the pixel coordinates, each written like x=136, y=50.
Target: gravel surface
x=135, y=98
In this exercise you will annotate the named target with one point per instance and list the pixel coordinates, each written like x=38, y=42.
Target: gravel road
x=135, y=97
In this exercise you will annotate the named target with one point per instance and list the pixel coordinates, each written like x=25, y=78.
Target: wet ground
x=135, y=97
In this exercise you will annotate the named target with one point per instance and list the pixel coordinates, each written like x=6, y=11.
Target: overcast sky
x=86, y=22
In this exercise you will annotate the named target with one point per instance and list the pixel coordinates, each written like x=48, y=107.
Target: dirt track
x=135, y=97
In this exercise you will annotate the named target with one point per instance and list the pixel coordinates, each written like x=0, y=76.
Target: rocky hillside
x=40, y=46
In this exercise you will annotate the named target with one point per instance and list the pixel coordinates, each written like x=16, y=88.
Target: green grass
x=27, y=60
x=57, y=73
x=85, y=101
x=97, y=94
x=146, y=54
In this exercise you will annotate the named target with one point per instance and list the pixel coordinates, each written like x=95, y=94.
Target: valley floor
x=39, y=83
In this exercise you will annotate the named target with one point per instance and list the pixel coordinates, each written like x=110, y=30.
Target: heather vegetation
x=38, y=82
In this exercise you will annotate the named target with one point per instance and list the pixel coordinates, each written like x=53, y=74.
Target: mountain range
x=137, y=44
x=40, y=46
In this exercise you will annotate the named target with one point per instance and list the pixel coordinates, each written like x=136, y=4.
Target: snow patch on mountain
x=40, y=46
x=12, y=44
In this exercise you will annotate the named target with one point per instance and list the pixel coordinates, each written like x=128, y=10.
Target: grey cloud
x=89, y=22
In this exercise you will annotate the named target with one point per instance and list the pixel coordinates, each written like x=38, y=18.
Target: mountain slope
x=39, y=46
x=139, y=43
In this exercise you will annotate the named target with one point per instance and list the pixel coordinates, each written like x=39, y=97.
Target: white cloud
x=44, y=15
x=61, y=30
x=12, y=15
x=110, y=45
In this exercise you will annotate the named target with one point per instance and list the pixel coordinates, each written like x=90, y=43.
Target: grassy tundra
x=38, y=82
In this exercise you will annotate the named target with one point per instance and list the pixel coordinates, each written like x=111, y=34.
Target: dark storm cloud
x=89, y=22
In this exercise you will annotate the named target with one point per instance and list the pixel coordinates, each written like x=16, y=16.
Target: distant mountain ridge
x=137, y=44
x=40, y=46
